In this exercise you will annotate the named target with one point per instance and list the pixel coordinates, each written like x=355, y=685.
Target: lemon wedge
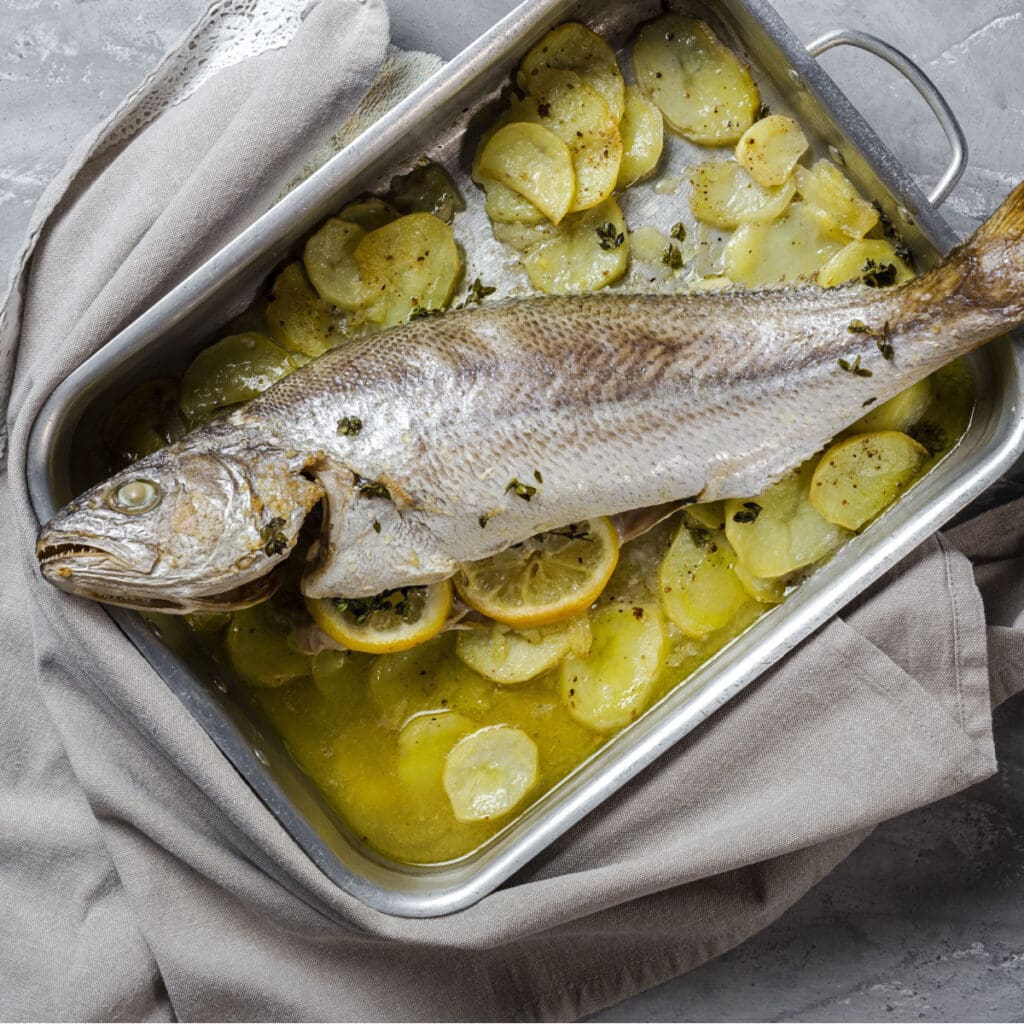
x=393, y=621
x=546, y=578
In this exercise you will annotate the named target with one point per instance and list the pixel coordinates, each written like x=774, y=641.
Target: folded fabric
x=142, y=878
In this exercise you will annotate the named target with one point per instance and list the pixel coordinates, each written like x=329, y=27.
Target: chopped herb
x=701, y=537
x=422, y=312
x=274, y=541
x=521, y=490
x=477, y=293
x=930, y=436
x=376, y=526
x=372, y=488
x=609, y=239
x=748, y=514
x=678, y=231
x=349, y=426
x=855, y=368
x=543, y=110
x=672, y=257
x=537, y=476
x=902, y=250
x=859, y=327
x=574, y=531
x=484, y=518
x=885, y=347
x=878, y=275
x=405, y=603
x=870, y=401
x=763, y=111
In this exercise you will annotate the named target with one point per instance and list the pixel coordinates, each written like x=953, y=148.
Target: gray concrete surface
x=926, y=920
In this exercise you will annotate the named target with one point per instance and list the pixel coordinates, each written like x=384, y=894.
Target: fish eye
x=135, y=497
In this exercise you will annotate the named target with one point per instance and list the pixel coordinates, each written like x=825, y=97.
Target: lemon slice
x=393, y=621
x=489, y=771
x=546, y=578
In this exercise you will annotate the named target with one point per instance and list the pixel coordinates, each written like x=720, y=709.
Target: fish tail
x=989, y=266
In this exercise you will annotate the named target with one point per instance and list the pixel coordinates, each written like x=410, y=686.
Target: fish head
x=183, y=530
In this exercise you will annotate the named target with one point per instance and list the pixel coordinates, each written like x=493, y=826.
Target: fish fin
x=990, y=264
x=403, y=500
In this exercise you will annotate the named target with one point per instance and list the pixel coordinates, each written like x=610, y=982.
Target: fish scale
x=620, y=402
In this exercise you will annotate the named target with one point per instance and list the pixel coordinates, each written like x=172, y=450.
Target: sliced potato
x=489, y=771
x=257, y=645
x=329, y=259
x=231, y=371
x=298, y=319
x=504, y=206
x=699, y=591
x=423, y=745
x=867, y=259
x=369, y=213
x=763, y=591
x=642, y=129
x=534, y=163
x=834, y=201
x=901, y=412
x=648, y=244
x=770, y=149
x=562, y=102
x=793, y=247
x=412, y=263
x=706, y=94
x=523, y=237
x=588, y=251
x=509, y=656
x=709, y=514
x=724, y=195
x=610, y=687
x=858, y=478
x=780, y=530
x=573, y=47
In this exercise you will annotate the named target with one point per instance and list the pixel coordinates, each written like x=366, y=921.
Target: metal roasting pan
x=442, y=120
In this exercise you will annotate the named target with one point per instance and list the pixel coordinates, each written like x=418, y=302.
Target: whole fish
x=426, y=441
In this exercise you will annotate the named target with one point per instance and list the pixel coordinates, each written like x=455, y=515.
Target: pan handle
x=922, y=83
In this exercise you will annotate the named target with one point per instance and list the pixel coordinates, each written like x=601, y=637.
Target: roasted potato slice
x=770, y=149
x=533, y=162
x=724, y=195
x=329, y=259
x=369, y=213
x=427, y=189
x=489, y=771
x=298, y=319
x=510, y=656
x=588, y=251
x=871, y=260
x=706, y=94
x=573, y=47
x=830, y=195
x=423, y=745
x=780, y=530
x=410, y=264
x=700, y=593
x=862, y=476
x=642, y=129
x=794, y=246
x=504, y=206
x=709, y=514
x=770, y=591
x=231, y=371
x=901, y=412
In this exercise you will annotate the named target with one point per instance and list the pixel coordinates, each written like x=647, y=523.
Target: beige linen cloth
x=139, y=875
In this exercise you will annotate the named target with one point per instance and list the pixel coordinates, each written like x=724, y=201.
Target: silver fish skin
x=602, y=404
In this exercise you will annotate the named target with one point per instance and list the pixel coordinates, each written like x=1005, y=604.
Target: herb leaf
x=607, y=236
x=274, y=541
x=672, y=257
x=422, y=312
x=371, y=488
x=349, y=426
x=855, y=368
x=476, y=294
x=678, y=231
x=878, y=275
x=521, y=490
x=748, y=514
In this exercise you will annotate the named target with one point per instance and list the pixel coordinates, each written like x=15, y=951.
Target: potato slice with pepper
x=700, y=592
x=298, y=319
x=871, y=260
x=862, y=476
x=901, y=412
x=504, y=206
x=588, y=251
x=831, y=196
x=770, y=149
x=408, y=265
x=780, y=530
x=642, y=129
x=573, y=47
x=724, y=195
x=329, y=259
x=533, y=162
x=576, y=113
x=706, y=94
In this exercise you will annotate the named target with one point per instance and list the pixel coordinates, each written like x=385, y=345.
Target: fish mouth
x=59, y=551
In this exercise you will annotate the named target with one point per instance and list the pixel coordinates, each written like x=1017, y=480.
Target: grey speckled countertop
x=924, y=921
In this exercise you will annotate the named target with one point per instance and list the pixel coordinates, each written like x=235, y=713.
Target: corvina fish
x=603, y=403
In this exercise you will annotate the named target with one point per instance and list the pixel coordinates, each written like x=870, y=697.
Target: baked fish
x=427, y=440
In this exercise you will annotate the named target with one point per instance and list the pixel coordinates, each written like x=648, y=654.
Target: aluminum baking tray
x=442, y=120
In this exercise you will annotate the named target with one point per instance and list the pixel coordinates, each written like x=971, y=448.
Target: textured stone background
x=925, y=920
